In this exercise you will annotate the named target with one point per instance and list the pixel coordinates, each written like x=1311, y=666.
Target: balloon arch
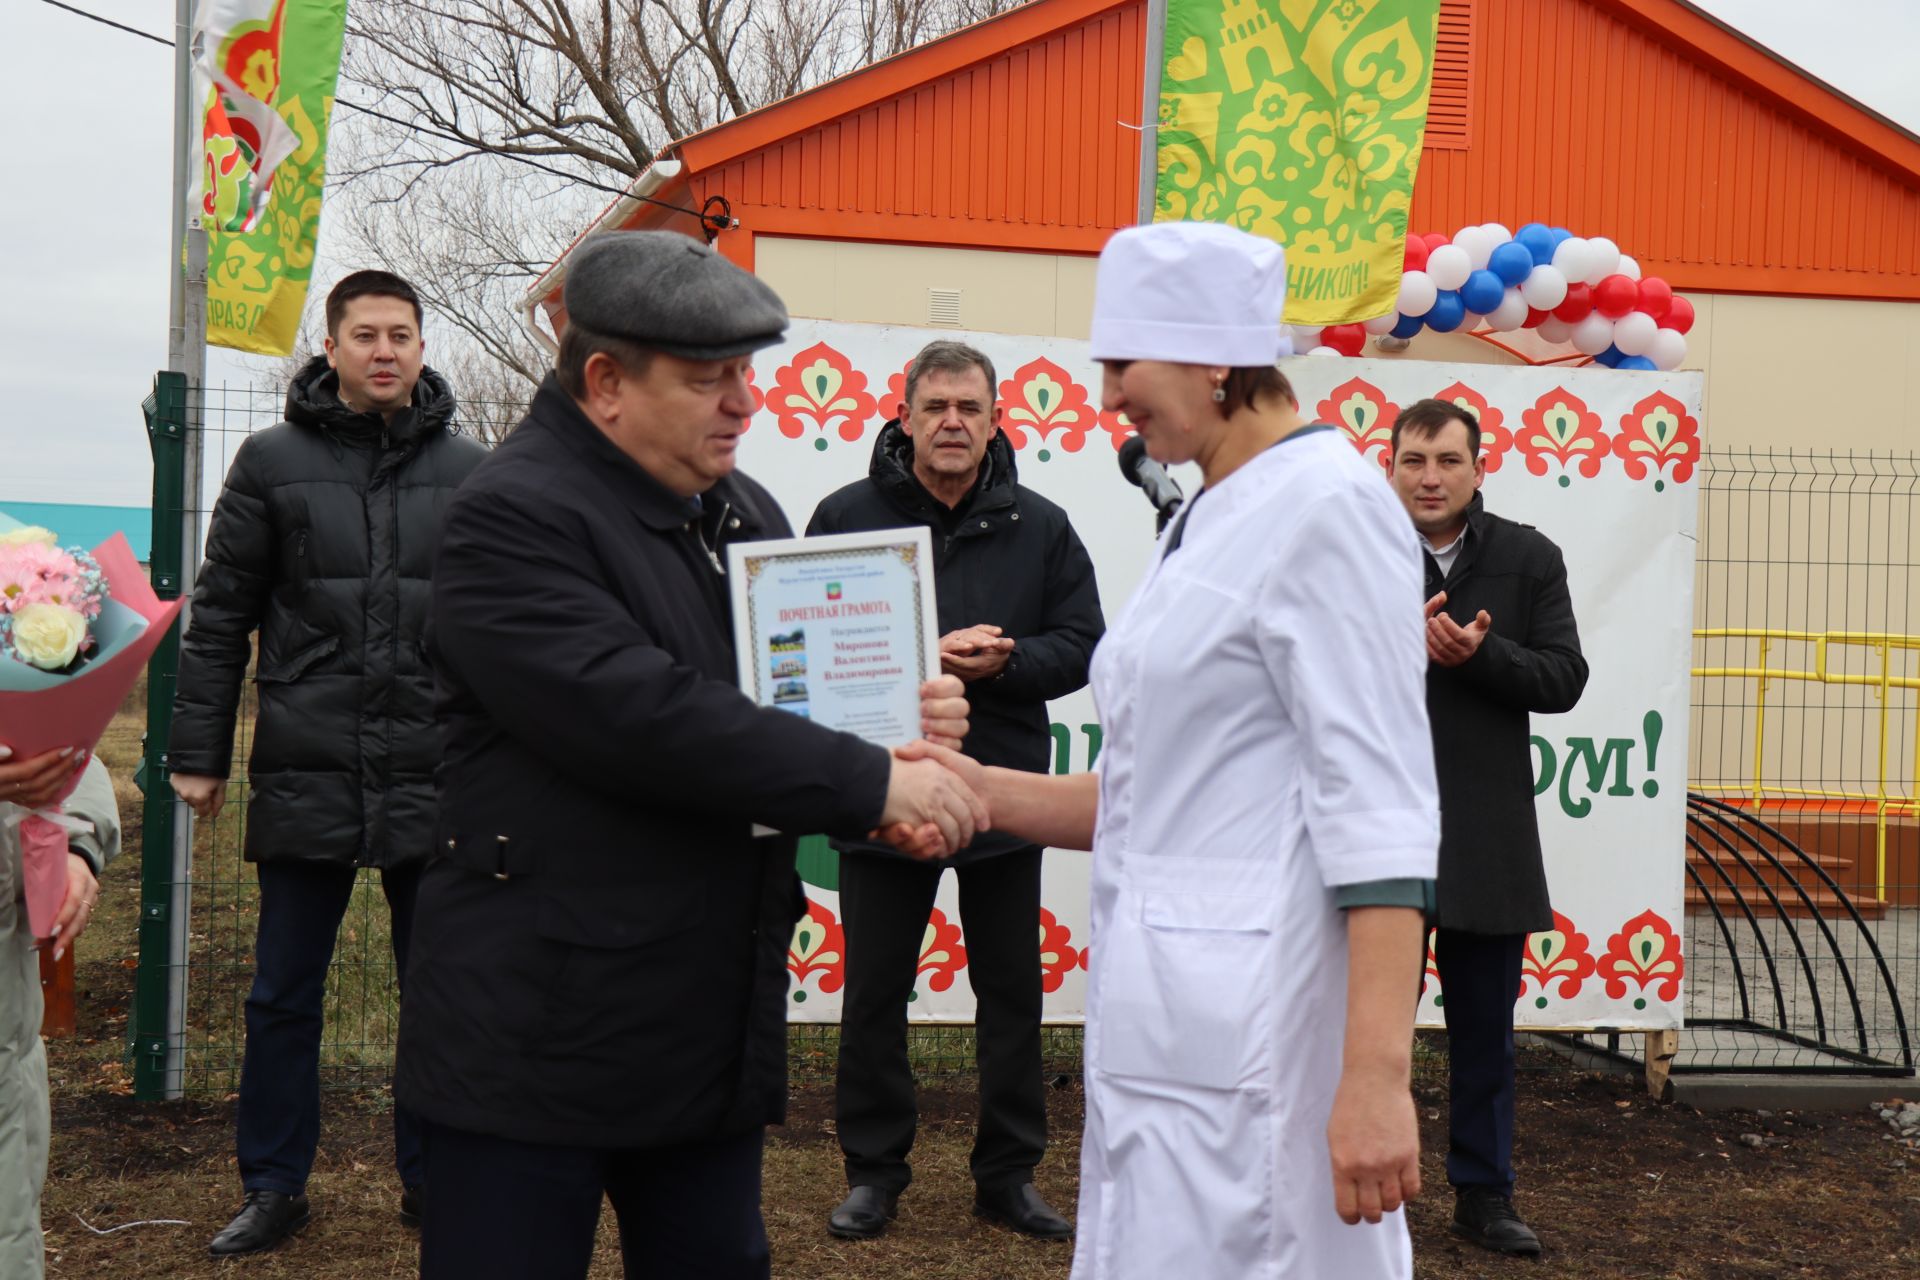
x=1573, y=292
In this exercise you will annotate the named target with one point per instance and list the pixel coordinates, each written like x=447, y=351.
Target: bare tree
x=481, y=135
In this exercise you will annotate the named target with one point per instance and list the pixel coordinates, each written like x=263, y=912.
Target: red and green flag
x=268, y=70
x=1300, y=121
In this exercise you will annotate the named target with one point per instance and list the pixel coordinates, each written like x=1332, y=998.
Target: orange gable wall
x=1641, y=120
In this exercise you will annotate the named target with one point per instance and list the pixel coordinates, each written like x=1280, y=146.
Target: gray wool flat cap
x=669, y=292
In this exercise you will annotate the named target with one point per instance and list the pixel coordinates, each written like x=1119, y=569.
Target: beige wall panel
x=1805, y=373
x=888, y=284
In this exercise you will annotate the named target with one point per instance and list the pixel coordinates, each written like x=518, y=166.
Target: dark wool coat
x=599, y=948
x=1491, y=876
x=1006, y=557
x=322, y=541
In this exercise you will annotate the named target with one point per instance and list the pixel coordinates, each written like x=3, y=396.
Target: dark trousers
x=301, y=905
x=1479, y=980
x=526, y=1211
x=884, y=904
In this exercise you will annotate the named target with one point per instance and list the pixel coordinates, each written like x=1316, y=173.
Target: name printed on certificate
x=840, y=628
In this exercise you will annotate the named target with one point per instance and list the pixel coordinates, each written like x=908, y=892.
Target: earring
x=1219, y=393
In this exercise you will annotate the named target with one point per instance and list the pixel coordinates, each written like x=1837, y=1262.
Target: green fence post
x=150, y=1033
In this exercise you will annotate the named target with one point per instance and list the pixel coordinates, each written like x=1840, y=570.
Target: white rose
x=29, y=535
x=48, y=635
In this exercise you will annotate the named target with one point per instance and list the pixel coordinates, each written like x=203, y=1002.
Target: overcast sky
x=85, y=325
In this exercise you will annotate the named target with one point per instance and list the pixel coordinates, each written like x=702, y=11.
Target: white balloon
x=1603, y=259
x=1499, y=233
x=1448, y=267
x=1634, y=333
x=1382, y=324
x=1571, y=259
x=1593, y=335
x=1479, y=245
x=1306, y=336
x=1323, y=351
x=1555, y=330
x=1510, y=314
x=1417, y=292
x=1544, y=288
x=1629, y=268
x=1470, y=322
x=1669, y=349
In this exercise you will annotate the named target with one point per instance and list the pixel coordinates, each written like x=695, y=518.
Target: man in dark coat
x=597, y=1002
x=1019, y=616
x=1501, y=645
x=321, y=542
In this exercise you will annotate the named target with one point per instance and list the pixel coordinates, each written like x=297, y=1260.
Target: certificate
x=840, y=629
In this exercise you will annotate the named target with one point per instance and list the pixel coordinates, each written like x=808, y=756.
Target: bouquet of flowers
x=49, y=598
x=76, y=629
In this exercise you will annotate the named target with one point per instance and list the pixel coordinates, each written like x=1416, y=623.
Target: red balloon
x=1578, y=304
x=1417, y=252
x=1347, y=339
x=1679, y=315
x=1434, y=239
x=1656, y=295
x=1615, y=296
x=1534, y=317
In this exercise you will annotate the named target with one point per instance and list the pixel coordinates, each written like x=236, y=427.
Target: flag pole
x=186, y=354
x=1150, y=108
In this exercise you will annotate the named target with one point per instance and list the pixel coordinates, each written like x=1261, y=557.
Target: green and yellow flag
x=1301, y=121
x=268, y=69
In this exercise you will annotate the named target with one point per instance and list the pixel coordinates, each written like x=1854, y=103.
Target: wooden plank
x=56, y=985
x=1661, y=1047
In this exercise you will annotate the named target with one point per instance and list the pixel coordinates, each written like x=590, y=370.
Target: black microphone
x=1152, y=478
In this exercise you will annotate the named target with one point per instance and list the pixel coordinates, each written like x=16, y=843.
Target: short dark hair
x=1255, y=382
x=579, y=344
x=944, y=355
x=1428, y=418
x=369, y=284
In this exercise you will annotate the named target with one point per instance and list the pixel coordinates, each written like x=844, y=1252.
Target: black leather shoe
x=864, y=1214
x=1487, y=1218
x=1019, y=1206
x=413, y=1202
x=264, y=1223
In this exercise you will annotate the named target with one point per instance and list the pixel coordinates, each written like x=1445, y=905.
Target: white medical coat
x=1263, y=697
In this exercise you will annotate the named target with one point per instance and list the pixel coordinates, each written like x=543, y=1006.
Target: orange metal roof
x=1710, y=159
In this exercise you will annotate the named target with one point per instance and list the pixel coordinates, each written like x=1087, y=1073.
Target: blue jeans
x=301, y=906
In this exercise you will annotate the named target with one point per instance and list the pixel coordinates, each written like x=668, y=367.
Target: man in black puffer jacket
x=1019, y=617
x=322, y=541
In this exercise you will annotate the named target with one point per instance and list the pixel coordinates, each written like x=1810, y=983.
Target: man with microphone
x=1019, y=617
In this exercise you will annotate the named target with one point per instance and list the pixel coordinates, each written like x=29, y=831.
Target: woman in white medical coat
x=1264, y=820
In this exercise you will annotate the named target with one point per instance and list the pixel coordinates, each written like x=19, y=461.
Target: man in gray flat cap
x=596, y=1001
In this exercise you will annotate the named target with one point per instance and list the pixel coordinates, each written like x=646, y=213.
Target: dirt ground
x=1616, y=1185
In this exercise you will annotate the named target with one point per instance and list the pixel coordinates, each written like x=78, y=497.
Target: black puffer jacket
x=1006, y=557
x=322, y=541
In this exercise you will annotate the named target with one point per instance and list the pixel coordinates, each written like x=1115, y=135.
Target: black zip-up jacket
x=1492, y=878
x=1005, y=556
x=600, y=943
x=322, y=541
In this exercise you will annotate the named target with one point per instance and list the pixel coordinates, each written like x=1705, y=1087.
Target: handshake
x=934, y=802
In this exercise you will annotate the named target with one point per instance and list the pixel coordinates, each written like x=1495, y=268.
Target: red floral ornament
x=819, y=946
x=1495, y=439
x=1561, y=427
x=758, y=397
x=1430, y=980
x=1559, y=955
x=1118, y=428
x=1645, y=952
x=894, y=406
x=1660, y=431
x=1363, y=411
x=1057, y=955
x=1041, y=397
x=940, y=952
x=819, y=384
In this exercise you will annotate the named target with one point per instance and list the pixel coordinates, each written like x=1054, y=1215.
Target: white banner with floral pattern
x=1601, y=461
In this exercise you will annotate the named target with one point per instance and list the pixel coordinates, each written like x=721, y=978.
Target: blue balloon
x=1560, y=236
x=1611, y=358
x=1538, y=241
x=1408, y=326
x=1512, y=262
x=1483, y=291
x=1446, y=313
x=1636, y=362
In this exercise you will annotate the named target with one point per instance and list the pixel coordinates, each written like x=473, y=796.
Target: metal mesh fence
x=1803, y=935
